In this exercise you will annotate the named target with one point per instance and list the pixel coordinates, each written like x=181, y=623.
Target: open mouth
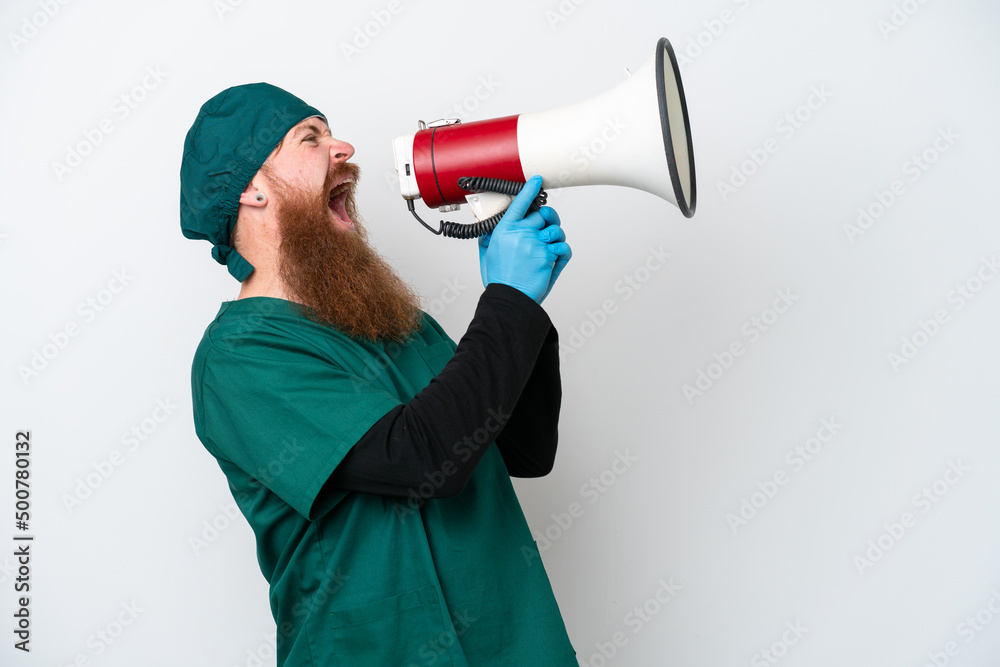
x=338, y=201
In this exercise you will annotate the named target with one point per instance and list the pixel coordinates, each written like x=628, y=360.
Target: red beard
x=333, y=271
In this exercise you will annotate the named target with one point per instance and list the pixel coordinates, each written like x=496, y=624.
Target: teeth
x=343, y=187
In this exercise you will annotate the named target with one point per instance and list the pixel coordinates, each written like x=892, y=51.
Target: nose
x=341, y=150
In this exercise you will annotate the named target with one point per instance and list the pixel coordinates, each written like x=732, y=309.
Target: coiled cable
x=472, y=230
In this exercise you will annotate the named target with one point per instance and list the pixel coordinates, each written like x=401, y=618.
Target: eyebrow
x=312, y=128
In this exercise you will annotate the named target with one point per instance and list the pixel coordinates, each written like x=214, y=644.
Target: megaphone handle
x=459, y=230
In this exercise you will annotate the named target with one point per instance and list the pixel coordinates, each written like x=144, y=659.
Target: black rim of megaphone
x=686, y=207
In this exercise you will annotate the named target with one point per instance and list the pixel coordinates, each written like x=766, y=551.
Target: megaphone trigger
x=486, y=204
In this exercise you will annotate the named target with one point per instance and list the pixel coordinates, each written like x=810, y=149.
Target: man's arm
x=442, y=427
x=528, y=441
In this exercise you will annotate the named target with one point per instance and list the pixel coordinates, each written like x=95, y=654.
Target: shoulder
x=260, y=335
x=431, y=332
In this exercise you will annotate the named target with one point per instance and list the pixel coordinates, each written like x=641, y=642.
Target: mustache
x=339, y=173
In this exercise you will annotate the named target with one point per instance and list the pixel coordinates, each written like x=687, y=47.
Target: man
x=371, y=455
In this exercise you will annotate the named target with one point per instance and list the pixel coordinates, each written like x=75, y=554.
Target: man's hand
x=526, y=252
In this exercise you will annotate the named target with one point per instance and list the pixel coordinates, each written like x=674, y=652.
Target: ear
x=249, y=197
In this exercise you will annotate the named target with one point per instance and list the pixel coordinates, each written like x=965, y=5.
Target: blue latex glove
x=526, y=252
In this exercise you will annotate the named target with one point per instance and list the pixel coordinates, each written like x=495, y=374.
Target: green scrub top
x=361, y=579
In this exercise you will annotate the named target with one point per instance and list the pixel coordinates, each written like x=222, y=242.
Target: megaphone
x=636, y=135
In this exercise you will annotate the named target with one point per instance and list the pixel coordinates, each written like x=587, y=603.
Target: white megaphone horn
x=636, y=134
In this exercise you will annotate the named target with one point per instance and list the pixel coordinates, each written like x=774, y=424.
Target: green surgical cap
x=232, y=136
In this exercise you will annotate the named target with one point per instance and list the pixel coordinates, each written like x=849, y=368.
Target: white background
x=132, y=541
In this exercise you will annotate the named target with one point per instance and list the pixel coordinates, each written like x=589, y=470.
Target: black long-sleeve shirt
x=502, y=383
